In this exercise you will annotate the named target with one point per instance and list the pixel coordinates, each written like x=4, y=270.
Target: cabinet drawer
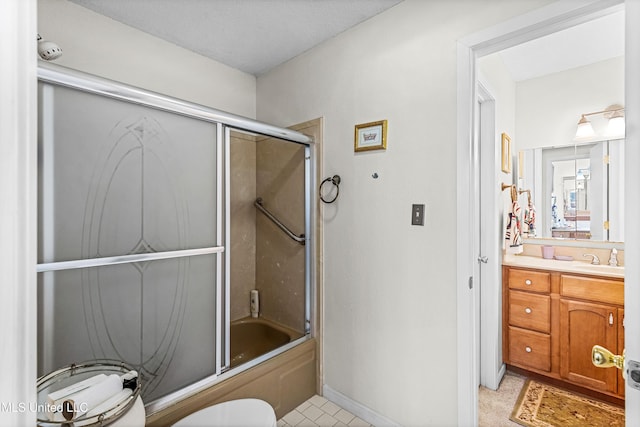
x=600, y=290
x=530, y=349
x=535, y=281
x=530, y=311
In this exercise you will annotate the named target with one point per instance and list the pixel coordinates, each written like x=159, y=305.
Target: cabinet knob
x=527, y=349
x=527, y=282
x=527, y=310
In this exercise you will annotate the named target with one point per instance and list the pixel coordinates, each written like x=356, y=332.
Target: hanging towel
x=513, y=236
x=530, y=219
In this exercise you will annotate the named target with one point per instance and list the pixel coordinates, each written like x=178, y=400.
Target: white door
x=18, y=225
x=489, y=245
x=632, y=194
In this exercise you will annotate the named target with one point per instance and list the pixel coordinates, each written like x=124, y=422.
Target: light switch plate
x=417, y=215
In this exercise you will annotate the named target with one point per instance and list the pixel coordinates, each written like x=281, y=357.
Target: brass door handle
x=603, y=358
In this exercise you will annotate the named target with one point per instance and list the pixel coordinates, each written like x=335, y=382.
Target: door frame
x=18, y=207
x=546, y=20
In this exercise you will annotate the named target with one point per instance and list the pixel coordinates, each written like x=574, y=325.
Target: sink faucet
x=595, y=260
x=613, y=258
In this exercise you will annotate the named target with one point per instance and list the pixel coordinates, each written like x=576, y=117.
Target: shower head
x=48, y=50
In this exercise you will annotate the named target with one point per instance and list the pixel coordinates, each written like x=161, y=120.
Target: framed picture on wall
x=371, y=136
x=506, y=153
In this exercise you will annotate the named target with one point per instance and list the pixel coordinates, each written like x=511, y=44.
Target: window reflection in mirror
x=578, y=190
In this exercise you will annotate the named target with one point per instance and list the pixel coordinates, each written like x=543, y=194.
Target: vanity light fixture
x=584, y=130
x=616, y=122
x=615, y=128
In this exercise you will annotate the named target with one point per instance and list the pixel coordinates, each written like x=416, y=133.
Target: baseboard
x=357, y=408
x=501, y=372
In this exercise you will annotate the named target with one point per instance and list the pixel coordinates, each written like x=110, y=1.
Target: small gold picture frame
x=506, y=153
x=371, y=136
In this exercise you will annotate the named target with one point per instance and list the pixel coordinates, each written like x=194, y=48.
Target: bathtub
x=285, y=380
x=253, y=337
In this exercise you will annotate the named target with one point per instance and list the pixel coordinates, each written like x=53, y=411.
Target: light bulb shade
x=584, y=130
x=615, y=128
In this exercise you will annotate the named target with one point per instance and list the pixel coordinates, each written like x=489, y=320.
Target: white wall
x=390, y=295
x=548, y=108
x=493, y=71
x=99, y=45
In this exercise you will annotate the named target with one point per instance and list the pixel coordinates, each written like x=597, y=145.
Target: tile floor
x=494, y=408
x=318, y=411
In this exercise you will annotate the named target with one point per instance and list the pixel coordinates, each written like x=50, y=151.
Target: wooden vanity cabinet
x=551, y=320
x=529, y=325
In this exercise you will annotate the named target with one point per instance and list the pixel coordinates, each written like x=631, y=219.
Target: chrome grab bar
x=258, y=204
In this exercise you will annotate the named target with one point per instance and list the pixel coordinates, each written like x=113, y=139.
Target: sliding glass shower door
x=134, y=231
x=130, y=238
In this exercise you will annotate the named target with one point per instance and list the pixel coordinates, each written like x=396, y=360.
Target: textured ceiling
x=257, y=35
x=251, y=35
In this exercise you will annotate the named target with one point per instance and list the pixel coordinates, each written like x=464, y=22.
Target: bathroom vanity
x=554, y=312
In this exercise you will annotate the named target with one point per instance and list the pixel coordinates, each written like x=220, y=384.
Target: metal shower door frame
x=310, y=207
x=224, y=122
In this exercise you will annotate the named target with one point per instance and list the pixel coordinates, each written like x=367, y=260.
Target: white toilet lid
x=135, y=416
x=235, y=413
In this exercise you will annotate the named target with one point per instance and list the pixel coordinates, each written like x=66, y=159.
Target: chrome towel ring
x=335, y=180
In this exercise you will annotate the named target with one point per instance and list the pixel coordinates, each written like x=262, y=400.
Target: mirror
x=577, y=190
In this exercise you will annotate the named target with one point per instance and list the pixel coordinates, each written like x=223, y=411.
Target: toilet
x=235, y=413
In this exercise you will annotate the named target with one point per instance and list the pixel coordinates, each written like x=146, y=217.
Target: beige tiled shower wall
x=262, y=256
x=279, y=259
x=243, y=222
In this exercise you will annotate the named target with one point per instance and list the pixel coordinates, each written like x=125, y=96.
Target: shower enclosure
x=137, y=219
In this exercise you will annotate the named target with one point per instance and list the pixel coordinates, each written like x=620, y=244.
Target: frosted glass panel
x=158, y=316
x=119, y=178
x=115, y=179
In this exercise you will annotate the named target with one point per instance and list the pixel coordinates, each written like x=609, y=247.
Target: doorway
x=545, y=21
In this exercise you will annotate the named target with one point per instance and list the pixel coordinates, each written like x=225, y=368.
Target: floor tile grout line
x=329, y=416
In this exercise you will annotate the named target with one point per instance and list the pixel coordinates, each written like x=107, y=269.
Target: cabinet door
x=582, y=326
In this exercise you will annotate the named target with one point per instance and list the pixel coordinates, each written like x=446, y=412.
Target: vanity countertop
x=575, y=266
